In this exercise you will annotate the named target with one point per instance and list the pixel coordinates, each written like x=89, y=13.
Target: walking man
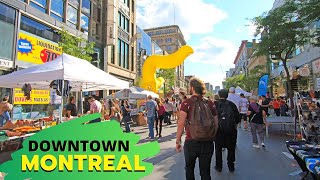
x=227, y=133
x=244, y=104
x=151, y=108
x=199, y=118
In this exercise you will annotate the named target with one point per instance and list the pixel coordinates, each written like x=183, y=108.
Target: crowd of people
x=226, y=112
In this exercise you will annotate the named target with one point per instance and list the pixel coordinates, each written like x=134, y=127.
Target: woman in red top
x=160, y=118
x=276, y=103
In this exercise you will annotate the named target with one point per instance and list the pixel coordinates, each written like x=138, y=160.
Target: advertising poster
x=33, y=50
x=36, y=97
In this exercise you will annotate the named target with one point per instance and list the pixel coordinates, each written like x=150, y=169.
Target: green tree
x=235, y=81
x=252, y=79
x=169, y=76
x=76, y=46
x=281, y=34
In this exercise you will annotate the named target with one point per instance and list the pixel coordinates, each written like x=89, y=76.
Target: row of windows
x=167, y=40
x=123, y=22
x=167, y=31
x=73, y=9
x=123, y=51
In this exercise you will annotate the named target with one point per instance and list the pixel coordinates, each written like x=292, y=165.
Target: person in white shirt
x=233, y=97
x=244, y=104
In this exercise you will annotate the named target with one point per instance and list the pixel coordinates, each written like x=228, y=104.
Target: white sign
x=304, y=71
x=318, y=83
x=6, y=63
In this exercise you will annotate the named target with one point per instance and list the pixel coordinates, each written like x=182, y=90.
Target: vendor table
x=278, y=120
x=15, y=140
x=307, y=156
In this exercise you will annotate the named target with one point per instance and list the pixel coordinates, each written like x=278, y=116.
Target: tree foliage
x=281, y=33
x=169, y=76
x=76, y=46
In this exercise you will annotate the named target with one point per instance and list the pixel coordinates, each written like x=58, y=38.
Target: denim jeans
x=126, y=120
x=4, y=118
x=257, y=128
x=203, y=150
x=151, y=126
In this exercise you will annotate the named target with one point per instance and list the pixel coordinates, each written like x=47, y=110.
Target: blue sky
x=214, y=28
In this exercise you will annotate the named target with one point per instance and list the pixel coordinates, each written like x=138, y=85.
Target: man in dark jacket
x=224, y=139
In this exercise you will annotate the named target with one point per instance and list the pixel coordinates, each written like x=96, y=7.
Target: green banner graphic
x=74, y=150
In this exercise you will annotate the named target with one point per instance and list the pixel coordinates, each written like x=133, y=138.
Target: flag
x=263, y=85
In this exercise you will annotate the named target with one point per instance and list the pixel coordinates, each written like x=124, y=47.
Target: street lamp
x=142, y=56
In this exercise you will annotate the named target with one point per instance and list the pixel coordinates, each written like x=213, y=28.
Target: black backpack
x=227, y=121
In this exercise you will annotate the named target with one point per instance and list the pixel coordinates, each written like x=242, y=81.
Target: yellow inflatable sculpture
x=149, y=80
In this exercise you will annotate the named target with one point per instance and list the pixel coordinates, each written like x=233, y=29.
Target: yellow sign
x=36, y=50
x=36, y=97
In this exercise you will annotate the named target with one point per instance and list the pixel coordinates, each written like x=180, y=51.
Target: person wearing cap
x=244, y=104
x=257, y=118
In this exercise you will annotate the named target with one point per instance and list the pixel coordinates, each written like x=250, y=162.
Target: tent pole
x=81, y=101
x=62, y=94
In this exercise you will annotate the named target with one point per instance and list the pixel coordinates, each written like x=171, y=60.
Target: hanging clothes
x=27, y=91
x=57, y=85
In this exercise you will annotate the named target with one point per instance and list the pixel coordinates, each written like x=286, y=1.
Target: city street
x=272, y=163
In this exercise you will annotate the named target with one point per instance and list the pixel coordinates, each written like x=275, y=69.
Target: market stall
x=136, y=97
x=307, y=151
x=80, y=75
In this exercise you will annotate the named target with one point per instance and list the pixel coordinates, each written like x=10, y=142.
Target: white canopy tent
x=83, y=76
x=133, y=92
x=239, y=91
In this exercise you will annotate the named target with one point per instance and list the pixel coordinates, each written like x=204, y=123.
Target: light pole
x=142, y=56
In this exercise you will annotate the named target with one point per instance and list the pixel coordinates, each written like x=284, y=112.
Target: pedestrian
x=227, y=133
x=95, y=106
x=125, y=110
x=276, y=103
x=199, y=138
x=233, y=97
x=160, y=118
x=244, y=104
x=169, y=109
x=151, y=108
x=175, y=108
x=71, y=108
x=5, y=108
x=216, y=99
x=257, y=118
x=265, y=104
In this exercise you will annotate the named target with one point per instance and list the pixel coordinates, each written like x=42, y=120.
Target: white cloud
x=193, y=16
x=250, y=28
x=214, y=78
x=214, y=51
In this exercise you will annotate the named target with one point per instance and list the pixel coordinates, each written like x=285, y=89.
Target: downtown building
x=170, y=39
x=35, y=23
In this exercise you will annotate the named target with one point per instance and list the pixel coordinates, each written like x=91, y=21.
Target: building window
x=57, y=9
x=39, y=29
x=72, y=16
x=84, y=23
x=74, y=3
x=112, y=54
x=86, y=7
x=96, y=13
x=132, y=5
x=169, y=48
x=126, y=2
x=7, y=18
x=168, y=40
x=123, y=51
x=123, y=22
x=132, y=29
x=39, y=4
x=132, y=58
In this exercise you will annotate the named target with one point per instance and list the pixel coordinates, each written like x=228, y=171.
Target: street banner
x=263, y=85
x=80, y=149
x=36, y=97
x=33, y=50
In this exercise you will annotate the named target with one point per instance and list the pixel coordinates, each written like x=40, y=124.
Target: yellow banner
x=36, y=50
x=36, y=97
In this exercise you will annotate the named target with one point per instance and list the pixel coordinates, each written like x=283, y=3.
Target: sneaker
x=256, y=146
x=263, y=145
x=219, y=169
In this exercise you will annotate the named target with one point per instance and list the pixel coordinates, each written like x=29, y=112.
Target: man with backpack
x=199, y=118
x=229, y=117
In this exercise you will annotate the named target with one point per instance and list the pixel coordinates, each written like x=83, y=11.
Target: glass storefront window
x=39, y=29
x=39, y=4
x=57, y=9
x=75, y=3
x=84, y=22
x=86, y=7
x=72, y=16
x=7, y=16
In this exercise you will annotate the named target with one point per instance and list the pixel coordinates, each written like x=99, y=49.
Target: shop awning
x=81, y=74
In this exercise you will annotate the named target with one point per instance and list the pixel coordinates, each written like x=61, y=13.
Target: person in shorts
x=243, y=108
